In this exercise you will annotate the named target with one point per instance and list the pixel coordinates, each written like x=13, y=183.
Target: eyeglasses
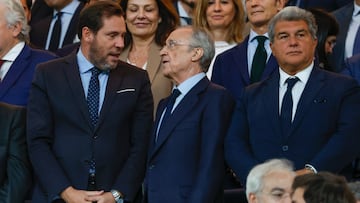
x=171, y=44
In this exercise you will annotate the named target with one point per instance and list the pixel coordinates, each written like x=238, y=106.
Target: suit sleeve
x=132, y=175
x=18, y=170
x=216, y=76
x=343, y=145
x=214, y=124
x=238, y=154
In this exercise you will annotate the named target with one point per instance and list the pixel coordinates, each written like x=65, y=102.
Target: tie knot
x=291, y=82
x=95, y=71
x=59, y=14
x=261, y=39
x=175, y=93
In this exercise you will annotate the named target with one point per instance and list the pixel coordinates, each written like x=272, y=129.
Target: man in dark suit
x=15, y=168
x=349, y=18
x=186, y=158
x=89, y=117
x=41, y=34
x=234, y=69
x=314, y=124
x=18, y=60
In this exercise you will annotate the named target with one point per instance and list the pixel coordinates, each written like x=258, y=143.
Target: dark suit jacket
x=186, y=164
x=40, y=29
x=61, y=138
x=329, y=5
x=344, y=17
x=352, y=67
x=15, y=168
x=15, y=86
x=231, y=69
x=324, y=133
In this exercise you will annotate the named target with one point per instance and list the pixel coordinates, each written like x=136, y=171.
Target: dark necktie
x=93, y=96
x=287, y=106
x=56, y=32
x=259, y=60
x=93, y=106
x=169, y=107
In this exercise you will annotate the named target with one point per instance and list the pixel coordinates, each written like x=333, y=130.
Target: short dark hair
x=324, y=187
x=92, y=16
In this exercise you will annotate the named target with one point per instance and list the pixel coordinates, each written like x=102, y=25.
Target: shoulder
x=129, y=69
x=345, y=10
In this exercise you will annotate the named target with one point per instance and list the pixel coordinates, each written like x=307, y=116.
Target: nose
x=217, y=6
x=293, y=41
x=120, y=42
x=141, y=13
x=163, y=51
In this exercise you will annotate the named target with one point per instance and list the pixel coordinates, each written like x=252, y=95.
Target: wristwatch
x=117, y=196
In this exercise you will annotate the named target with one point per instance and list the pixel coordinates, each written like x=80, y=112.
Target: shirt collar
x=182, y=12
x=68, y=9
x=253, y=34
x=302, y=75
x=356, y=10
x=189, y=83
x=14, y=52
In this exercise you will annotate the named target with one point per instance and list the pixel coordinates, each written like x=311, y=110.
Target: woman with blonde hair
x=224, y=20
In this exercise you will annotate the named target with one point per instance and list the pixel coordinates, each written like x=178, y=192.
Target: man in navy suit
x=232, y=69
x=15, y=167
x=19, y=60
x=349, y=18
x=186, y=157
x=315, y=124
x=90, y=116
x=42, y=28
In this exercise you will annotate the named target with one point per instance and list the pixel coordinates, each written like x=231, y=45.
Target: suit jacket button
x=285, y=148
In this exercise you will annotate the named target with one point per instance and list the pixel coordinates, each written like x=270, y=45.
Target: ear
x=252, y=198
x=16, y=29
x=87, y=34
x=198, y=53
x=280, y=4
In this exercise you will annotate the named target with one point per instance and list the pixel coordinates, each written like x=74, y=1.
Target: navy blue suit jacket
x=62, y=140
x=344, y=17
x=324, y=133
x=40, y=29
x=15, y=86
x=329, y=5
x=352, y=67
x=231, y=69
x=186, y=164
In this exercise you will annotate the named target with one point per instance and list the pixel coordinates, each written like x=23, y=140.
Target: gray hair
x=293, y=13
x=15, y=14
x=200, y=39
x=254, y=181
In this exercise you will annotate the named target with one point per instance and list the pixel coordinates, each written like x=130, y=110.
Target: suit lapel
x=72, y=74
x=270, y=99
x=114, y=83
x=313, y=86
x=183, y=108
x=16, y=70
x=71, y=32
x=270, y=67
x=241, y=61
